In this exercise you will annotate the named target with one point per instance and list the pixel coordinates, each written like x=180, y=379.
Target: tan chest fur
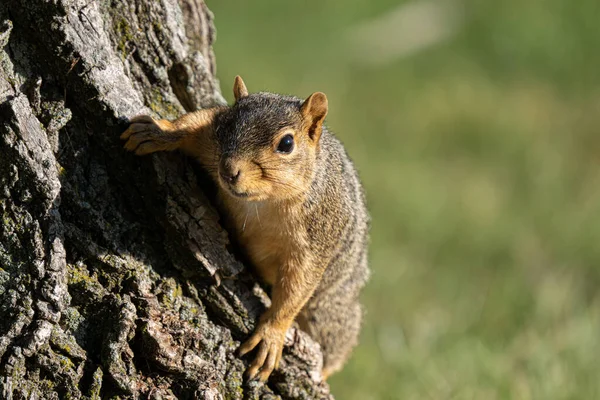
x=270, y=235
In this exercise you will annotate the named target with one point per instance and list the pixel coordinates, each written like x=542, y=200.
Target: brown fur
x=300, y=217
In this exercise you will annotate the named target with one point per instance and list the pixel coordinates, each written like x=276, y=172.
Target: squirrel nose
x=229, y=171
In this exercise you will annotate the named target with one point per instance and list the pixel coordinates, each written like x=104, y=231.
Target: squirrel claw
x=146, y=135
x=137, y=124
x=259, y=360
x=142, y=118
x=270, y=342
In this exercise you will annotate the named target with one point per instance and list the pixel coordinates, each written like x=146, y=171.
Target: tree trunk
x=116, y=279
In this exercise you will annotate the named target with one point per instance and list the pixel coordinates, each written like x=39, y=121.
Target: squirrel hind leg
x=336, y=328
x=327, y=372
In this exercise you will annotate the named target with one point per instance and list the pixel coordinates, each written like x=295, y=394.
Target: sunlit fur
x=300, y=218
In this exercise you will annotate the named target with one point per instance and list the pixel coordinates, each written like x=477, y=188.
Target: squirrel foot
x=146, y=135
x=269, y=339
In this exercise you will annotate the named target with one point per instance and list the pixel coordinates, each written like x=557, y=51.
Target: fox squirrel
x=293, y=201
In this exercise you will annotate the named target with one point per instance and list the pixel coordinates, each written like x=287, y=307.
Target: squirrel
x=293, y=201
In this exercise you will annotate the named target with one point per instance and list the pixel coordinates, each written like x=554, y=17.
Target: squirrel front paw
x=269, y=339
x=146, y=135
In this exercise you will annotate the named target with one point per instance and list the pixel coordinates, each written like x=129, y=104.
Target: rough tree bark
x=116, y=280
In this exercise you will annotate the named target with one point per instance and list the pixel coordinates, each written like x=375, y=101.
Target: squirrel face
x=268, y=144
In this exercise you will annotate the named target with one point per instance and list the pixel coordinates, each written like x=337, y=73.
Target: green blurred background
x=475, y=127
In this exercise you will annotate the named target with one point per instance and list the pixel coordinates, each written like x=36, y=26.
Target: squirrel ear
x=239, y=88
x=314, y=110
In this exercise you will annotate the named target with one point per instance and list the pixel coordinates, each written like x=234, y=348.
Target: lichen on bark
x=116, y=279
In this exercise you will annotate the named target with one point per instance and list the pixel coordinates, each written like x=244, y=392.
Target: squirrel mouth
x=239, y=194
x=231, y=189
x=235, y=193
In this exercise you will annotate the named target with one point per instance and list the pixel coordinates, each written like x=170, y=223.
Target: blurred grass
x=480, y=159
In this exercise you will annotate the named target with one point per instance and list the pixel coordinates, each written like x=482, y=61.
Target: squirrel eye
x=286, y=144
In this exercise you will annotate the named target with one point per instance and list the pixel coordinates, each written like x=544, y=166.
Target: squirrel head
x=268, y=144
